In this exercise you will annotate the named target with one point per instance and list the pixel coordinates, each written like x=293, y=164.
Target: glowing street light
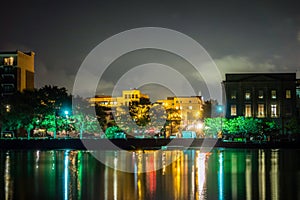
x=66, y=113
x=220, y=111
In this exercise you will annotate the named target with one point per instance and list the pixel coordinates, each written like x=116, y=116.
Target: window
x=132, y=96
x=190, y=101
x=248, y=110
x=233, y=94
x=136, y=96
x=233, y=110
x=247, y=95
x=288, y=94
x=8, y=88
x=261, y=110
x=125, y=96
x=273, y=110
x=9, y=61
x=260, y=94
x=273, y=94
x=298, y=92
x=8, y=69
x=190, y=107
x=288, y=110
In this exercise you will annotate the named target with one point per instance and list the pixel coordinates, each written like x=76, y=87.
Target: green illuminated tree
x=212, y=126
x=111, y=131
x=21, y=112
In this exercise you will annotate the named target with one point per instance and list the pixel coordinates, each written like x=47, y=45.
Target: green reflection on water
x=221, y=174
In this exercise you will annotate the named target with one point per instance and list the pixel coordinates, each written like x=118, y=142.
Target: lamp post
x=66, y=112
x=220, y=111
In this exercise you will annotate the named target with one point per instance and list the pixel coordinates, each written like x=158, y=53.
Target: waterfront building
x=16, y=72
x=129, y=97
x=190, y=108
x=269, y=96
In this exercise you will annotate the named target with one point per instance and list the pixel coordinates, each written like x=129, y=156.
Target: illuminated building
x=261, y=95
x=103, y=100
x=129, y=97
x=16, y=72
x=190, y=108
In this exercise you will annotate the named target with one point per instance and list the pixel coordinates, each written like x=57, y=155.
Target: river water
x=219, y=174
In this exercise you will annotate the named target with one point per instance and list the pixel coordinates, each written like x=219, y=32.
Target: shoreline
x=136, y=144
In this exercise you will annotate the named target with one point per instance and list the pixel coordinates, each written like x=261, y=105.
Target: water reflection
x=221, y=174
x=7, y=179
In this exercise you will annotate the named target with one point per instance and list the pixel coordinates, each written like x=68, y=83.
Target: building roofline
x=233, y=77
x=29, y=53
x=264, y=73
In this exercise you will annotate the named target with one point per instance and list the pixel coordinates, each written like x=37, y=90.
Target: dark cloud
x=240, y=36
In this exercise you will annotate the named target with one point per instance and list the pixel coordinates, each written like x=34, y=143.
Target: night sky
x=254, y=36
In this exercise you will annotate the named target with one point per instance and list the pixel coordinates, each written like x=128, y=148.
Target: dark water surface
x=220, y=174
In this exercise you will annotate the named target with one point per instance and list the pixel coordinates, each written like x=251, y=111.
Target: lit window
x=248, y=110
x=298, y=92
x=190, y=107
x=273, y=110
x=233, y=94
x=7, y=108
x=247, y=95
x=9, y=61
x=273, y=94
x=288, y=94
x=233, y=110
x=261, y=110
x=260, y=94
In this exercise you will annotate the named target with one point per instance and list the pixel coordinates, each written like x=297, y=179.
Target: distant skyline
x=240, y=36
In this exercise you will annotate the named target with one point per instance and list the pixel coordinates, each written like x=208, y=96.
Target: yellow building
x=190, y=108
x=17, y=72
x=103, y=100
x=128, y=97
x=132, y=96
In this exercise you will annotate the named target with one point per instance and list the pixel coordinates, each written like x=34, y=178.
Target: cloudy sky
x=240, y=36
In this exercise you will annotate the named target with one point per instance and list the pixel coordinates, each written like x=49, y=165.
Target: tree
x=51, y=102
x=103, y=116
x=270, y=127
x=21, y=112
x=34, y=108
x=212, y=126
x=243, y=126
x=110, y=132
x=173, y=119
x=292, y=126
x=84, y=119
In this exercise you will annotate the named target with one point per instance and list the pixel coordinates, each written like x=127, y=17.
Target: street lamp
x=220, y=111
x=67, y=116
x=66, y=113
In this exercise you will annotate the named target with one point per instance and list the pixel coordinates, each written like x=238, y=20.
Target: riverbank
x=134, y=144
